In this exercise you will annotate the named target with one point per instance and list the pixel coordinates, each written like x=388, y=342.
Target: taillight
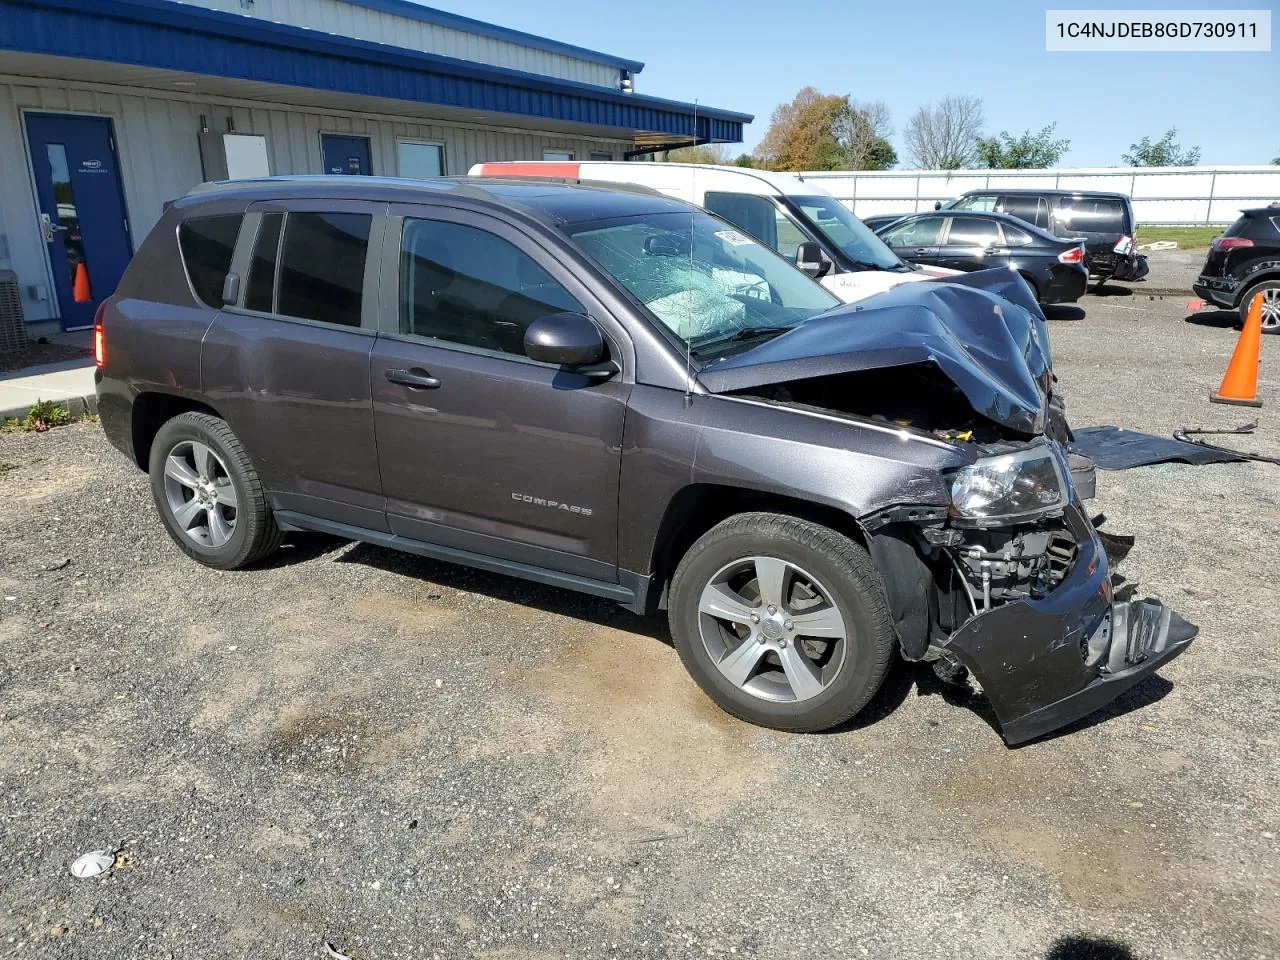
x=1231, y=243
x=99, y=338
x=1074, y=255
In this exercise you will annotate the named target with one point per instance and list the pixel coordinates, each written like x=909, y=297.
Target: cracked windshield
x=711, y=285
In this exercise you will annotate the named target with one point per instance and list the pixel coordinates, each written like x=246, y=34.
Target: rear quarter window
x=207, y=244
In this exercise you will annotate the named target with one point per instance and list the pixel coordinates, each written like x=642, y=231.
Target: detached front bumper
x=1045, y=663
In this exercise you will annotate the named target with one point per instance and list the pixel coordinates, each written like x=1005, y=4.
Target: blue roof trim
x=455, y=21
x=175, y=36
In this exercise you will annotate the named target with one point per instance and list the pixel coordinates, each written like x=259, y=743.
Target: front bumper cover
x=1045, y=663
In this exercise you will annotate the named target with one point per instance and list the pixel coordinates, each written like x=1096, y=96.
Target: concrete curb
x=76, y=406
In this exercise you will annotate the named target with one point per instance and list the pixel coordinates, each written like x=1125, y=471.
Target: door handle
x=49, y=227
x=921, y=251
x=414, y=379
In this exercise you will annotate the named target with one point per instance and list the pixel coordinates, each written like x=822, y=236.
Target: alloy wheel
x=1271, y=308
x=772, y=629
x=200, y=494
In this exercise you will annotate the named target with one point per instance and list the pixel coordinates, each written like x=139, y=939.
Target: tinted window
x=914, y=233
x=833, y=220
x=973, y=232
x=1031, y=209
x=262, y=267
x=465, y=285
x=322, y=266
x=207, y=244
x=986, y=203
x=1090, y=215
x=1014, y=237
x=759, y=217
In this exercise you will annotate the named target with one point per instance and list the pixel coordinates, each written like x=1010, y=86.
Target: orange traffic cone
x=1240, y=385
x=80, y=286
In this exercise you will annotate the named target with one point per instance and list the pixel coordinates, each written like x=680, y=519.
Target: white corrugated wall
x=1161, y=195
x=361, y=23
x=156, y=139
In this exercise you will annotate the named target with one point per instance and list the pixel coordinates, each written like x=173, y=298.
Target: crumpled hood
x=983, y=330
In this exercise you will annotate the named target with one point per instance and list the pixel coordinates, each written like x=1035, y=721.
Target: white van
x=798, y=219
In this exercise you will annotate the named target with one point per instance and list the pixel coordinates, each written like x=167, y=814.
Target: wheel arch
x=698, y=507
x=152, y=409
x=1250, y=283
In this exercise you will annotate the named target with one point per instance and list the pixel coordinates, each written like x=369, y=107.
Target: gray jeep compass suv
x=617, y=393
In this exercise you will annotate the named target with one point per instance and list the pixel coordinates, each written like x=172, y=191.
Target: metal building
x=107, y=110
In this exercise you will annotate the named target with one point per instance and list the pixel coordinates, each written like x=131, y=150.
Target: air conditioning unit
x=13, y=330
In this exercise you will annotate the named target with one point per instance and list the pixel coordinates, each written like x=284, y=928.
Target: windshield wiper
x=746, y=333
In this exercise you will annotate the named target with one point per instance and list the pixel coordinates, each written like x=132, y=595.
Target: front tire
x=1270, y=290
x=782, y=622
x=208, y=493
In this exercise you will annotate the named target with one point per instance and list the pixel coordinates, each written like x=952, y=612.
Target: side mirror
x=937, y=204
x=565, y=339
x=810, y=259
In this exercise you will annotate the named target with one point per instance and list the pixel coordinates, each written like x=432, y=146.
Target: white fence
x=1161, y=195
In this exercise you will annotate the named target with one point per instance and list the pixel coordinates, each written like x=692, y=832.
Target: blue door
x=82, y=212
x=345, y=155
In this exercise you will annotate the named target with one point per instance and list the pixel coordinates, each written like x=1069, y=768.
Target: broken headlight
x=1010, y=486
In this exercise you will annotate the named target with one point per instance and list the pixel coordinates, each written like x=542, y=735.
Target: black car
x=961, y=240
x=1104, y=221
x=620, y=394
x=1244, y=261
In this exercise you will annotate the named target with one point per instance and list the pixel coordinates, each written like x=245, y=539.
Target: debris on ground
x=1114, y=448
x=93, y=864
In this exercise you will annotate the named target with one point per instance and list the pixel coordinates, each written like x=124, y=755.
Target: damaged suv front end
x=988, y=558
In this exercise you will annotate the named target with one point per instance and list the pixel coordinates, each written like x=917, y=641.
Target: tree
x=744, y=160
x=1276, y=161
x=944, y=136
x=863, y=130
x=1165, y=152
x=715, y=153
x=1029, y=150
x=818, y=131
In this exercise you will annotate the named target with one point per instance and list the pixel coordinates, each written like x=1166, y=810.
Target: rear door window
x=1029, y=208
x=207, y=244
x=321, y=274
x=973, y=232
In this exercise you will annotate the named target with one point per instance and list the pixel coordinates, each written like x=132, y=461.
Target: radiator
x=13, y=331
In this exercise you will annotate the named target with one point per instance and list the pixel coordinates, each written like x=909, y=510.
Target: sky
x=750, y=55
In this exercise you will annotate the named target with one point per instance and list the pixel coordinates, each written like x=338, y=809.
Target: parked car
x=617, y=393
x=1244, y=261
x=797, y=219
x=961, y=240
x=1105, y=222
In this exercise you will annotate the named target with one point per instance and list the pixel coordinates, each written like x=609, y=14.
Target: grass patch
x=43, y=415
x=1187, y=238
x=7, y=467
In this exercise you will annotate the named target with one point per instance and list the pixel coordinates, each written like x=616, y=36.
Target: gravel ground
x=412, y=760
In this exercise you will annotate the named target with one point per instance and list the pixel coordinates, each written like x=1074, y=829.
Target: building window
x=557, y=154
x=207, y=243
x=421, y=159
x=601, y=156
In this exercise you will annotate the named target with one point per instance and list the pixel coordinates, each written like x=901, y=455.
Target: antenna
x=688, y=340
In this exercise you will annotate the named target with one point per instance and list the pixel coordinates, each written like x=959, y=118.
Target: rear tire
x=1035, y=289
x=811, y=663
x=1270, y=290
x=208, y=493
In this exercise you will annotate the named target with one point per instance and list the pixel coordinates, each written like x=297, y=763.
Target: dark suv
x=617, y=393
x=1104, y=221
x=1244, y=261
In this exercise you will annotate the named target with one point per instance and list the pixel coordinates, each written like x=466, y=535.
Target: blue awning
x=175, y=36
